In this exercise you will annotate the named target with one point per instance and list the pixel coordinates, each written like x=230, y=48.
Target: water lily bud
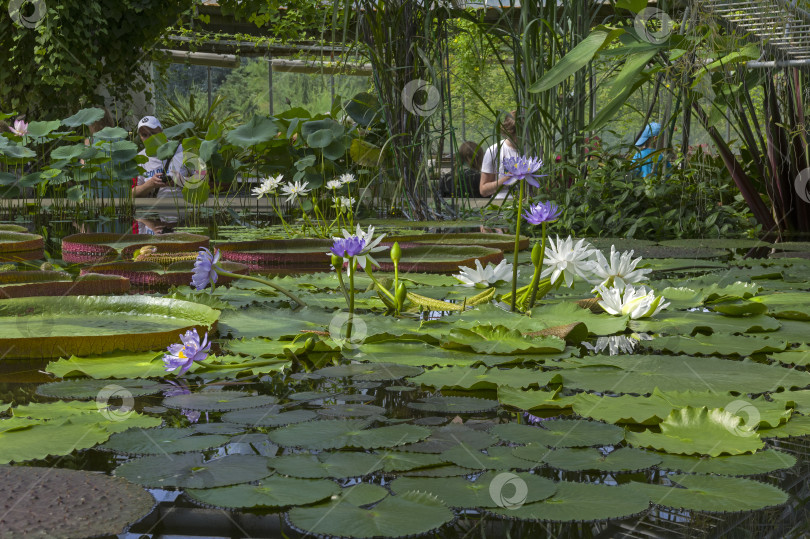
x=337, y=262
x=396, y=253
x=47, y=266
x=536, y=254
x=401, y=294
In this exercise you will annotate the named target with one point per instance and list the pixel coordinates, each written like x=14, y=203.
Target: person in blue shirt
x=646, y=143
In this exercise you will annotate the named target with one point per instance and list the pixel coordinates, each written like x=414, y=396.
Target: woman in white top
x=492, y=172
x=154, y=176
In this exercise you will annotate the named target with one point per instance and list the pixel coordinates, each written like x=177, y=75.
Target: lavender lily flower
x=205, y=268
x=522, y=168
x=184, y=355
x=348, y=248
x=543, y=212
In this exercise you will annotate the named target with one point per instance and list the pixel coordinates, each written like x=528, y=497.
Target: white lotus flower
x=334, y=184
x=482, y=277
x=371, y=245
x=347, y=178
x=344, y=203
x=619, y=272
x=636, y=302
x=268, y=186
x=294, y=190
x=567, y=259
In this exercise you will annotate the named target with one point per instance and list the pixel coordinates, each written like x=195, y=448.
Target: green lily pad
x=792, y=357
x=561, y=433
x=700, y=431
x=401, y=461
x=218, y=401
x=190, y=471
x=448, y=470
x=268, y=417
x=500, y=340
x=443, y=438
x=798, y=425
x=761, y=462
x=88, y=389
x=112, y=365
x=481, y=377
x=351, y=410
x=624, y=459
x=87, y=325
x=533, y=399
x=717, y=343
x=687, y=323
x=582, y=502
x=454, y=405
x=337, y=465
x=490, y=489
x=274, y=491
x=392, y=517
x=789, y=305
x=496, y=458
x=715, y=494
x=161, y=441
x=336, y=434
x=372, y=372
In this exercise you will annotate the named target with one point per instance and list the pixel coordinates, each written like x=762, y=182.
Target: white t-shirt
x=493, y=162
x=176, y=169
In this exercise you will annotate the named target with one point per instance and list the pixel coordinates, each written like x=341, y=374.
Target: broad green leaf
x=190, y=471
x=624, y=459
x=533, y=399
x=496, y=458
x=717, y=343
x=111, y=365
x=273, y=491
x=761, y=462
x=84, y=117
x=560, y=433
x=576, y=59
x=161, y=441
x=337, y=434
x=481, y=377
x=500, y=340
x=715, y=494
x=336, y=465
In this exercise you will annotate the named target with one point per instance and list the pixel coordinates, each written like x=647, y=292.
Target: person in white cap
x=156, y=170
x=646, y=143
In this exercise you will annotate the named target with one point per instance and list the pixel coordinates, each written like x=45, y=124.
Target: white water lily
x=295, y=190
x=567, y=259
x=635, y=302
x=371, y=245
x=481, y=277
x=344, y=203
x=619, y=271
x=268, y=186
x=347, y=178
x=334, y=184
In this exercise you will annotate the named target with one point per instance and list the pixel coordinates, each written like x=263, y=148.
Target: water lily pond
x=409, y=399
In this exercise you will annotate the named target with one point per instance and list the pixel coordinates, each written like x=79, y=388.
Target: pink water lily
x=20, y=128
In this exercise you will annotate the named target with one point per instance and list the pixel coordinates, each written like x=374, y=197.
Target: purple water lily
x=543, y=212
x=522, y=168
x=184, y=355
x=348, y=247
x=205, y=268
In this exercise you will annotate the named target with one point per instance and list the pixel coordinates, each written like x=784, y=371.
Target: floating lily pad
x=95, y=247
x=218, y=401
x=533, y=399
x=154, y=274
x=582, y=502
x=792, y=357
x=716, y=243
x=24, y=284
x=351, y=410
x=370, y=371
x=721, y=344
x=341, y=464
x=12, y=228
x=401, y=461
x=798, y=425
x=268, y=417
x=443, y=438
x=272, y=491
x=89, y=389
x=336, y=434
x=392, y=517
x=496, y=458
x=448, y=470
x=91, y=325
x=161, y=441
x=55, y=502
x=190, y=471
x=454, y=405
x=761, y=462
x=441, y=258
x=715, y=494
x=503, y=242
x=13, y=242
x=488, y=490
x=700, y=431
x=217, y=428
x=561, y=433
x=789, y=305
x=400, y=389
x=298, y=253
x=624, y=459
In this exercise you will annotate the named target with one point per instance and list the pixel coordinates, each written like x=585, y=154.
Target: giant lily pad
x=297, y=253
x=86, y=325
x=582, y=502
x=95, y=247
x=161, y=441
x=488, y=490
x=273, y=491
x=335, y=434
x=20, y=284
x=154, y=274
x=13, y=242
x=497, y=241
x=71, y=504
x=700, y=431
x=441, y=258
x=715, y=494
x=89, y=389
x=218, y=401
x=392, y=517
x=191, y=471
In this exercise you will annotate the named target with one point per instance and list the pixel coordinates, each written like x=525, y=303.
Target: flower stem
x=539, y=267
x=517, y=247
x=351, y=299
x=274, y=286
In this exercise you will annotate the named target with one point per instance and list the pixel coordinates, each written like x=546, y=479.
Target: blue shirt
x=646, y=167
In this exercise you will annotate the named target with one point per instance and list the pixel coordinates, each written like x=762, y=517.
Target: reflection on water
x=617, y=344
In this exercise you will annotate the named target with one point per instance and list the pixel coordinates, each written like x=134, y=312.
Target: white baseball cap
x=150, y=121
